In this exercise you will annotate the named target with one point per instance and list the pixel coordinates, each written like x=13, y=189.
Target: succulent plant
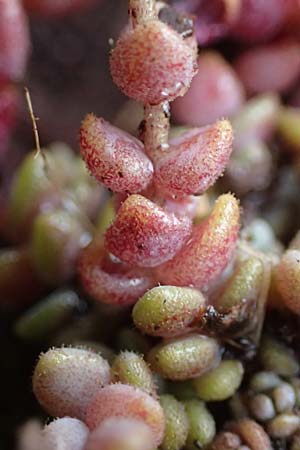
x=163, y=285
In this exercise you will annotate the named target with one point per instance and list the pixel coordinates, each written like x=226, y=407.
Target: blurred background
x=67, y=72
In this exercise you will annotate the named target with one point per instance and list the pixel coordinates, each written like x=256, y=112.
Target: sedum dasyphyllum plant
x=158, y=260
x=163, y=256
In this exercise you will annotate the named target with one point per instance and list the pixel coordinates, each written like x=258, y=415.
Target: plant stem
x=141, y=11
x=156, y=128
x=156, y=123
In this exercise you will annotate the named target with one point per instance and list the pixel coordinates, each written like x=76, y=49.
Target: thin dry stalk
x=34, y=119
